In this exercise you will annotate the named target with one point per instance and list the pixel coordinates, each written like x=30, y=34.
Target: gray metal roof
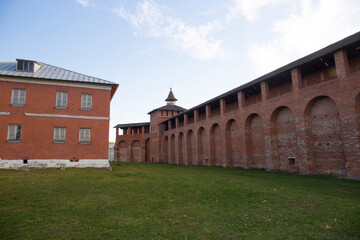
x=47, y=71
x=127, y=125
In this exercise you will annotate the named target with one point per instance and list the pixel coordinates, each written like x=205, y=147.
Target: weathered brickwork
x=284, y=139
x=302, y=118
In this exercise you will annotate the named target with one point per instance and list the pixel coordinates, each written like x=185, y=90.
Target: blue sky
x=200, y=48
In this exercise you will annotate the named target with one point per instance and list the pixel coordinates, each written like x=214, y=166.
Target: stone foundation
x=54, y=163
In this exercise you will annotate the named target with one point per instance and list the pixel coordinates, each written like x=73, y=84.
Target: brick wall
x=38, y=132
x=310, y=126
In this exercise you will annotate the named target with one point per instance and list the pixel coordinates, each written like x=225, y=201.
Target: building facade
x=302, y=118
x=52, y=117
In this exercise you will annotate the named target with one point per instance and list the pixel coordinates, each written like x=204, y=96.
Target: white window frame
x=62, y=98
x=59, y=134
x=86, y=101
x=84, y=135
x=16, y=98
x=13, y=134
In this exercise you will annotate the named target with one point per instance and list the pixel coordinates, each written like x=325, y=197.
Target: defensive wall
x=303, y=118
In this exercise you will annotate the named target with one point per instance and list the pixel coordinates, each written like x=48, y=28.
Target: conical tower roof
x=171, y=97
x=171, y=104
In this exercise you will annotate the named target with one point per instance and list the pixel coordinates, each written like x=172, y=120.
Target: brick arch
x=122, y=151
x=255, y=141
x=135, y=151
x=165, y=150
x=172, y=149
x=203, y=142
x=323, y=129
x=181, y=148
x=190, y=147
x=217, y=158
x=147, y=150
x=284, y=140
x=357, y=110
x=232, y=137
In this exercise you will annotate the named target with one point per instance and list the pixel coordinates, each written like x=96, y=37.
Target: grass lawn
x=144, y=201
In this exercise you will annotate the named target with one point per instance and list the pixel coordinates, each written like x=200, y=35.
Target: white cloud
x=315, y=26
x=83, y=3
x=249, y=8
x=87, y=3
x=197, y=41
x=148, y=20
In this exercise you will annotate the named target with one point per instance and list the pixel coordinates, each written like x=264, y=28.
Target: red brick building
x=52, y=117
x=303, y=118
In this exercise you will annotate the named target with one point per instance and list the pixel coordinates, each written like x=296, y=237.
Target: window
x=18, y=97
x=84, y=135
x=14, y=133
x=27, y=66
x=86, y=101
x=61, y=99
x=59, y=134
x=291, y=160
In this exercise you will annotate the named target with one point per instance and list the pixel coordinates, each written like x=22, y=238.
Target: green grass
x=143, y=201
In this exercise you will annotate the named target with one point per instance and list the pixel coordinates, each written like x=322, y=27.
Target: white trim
x=53, y=163
x=64, y=116
x=60, y=83
x=5, y=113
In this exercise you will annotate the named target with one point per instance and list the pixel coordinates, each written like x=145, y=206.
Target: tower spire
x=171, y=100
